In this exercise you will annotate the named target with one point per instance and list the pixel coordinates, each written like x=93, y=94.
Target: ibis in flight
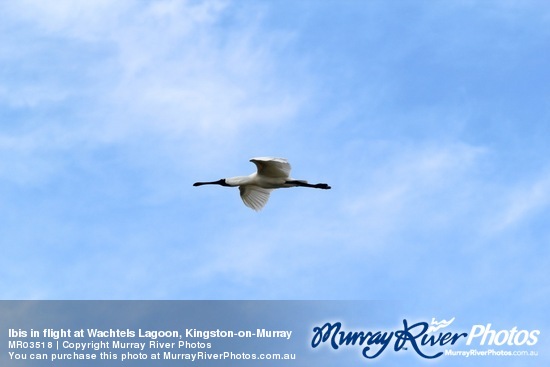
x=272, y=173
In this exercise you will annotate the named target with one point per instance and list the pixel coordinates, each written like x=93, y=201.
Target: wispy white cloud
x=519, y=202
x=424, y=183
x=170, y=69
x=170, y=62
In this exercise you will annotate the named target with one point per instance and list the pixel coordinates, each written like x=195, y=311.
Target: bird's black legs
x=323, y=186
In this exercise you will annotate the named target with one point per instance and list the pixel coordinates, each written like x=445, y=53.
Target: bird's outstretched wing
x=272, y=167
x=254, y=197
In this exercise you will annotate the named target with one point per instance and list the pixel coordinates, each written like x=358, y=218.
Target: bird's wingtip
x=283, y=160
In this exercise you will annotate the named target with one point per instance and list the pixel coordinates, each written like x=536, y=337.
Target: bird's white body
x=272, y=173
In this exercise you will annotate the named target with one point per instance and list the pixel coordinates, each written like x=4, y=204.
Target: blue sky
x=429, y=119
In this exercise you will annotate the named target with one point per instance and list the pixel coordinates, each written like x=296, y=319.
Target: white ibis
x=272, y=173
